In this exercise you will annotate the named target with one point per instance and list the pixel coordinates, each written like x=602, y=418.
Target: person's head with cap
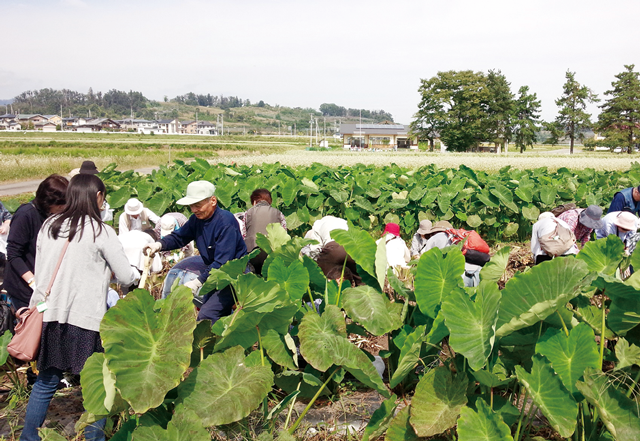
x=425, y=227
x=88, y=168
x=545, y=215
x=626, y=221
x=168, y=224
x=133, y=207
x=201, y=199
x=392, y=228
x=441, y=226
x=591, y=217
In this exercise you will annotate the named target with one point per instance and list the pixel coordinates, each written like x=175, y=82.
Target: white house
x=379, y=136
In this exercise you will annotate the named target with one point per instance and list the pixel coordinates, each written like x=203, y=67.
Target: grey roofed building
x=384, y=136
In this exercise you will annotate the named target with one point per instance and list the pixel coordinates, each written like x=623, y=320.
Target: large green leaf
x=277, y=349
x=627, y=354
x=380, y=419
x=437, y=277
x=624, y=311
x=323, y=343
x=381, y=263
x=289, y=191
x=148, y=351
x=604, y=255
x=118, y=198
x=550, y=395
x=91, y=380
x=359, y=245
x=276, y=237
x=372, y=309
x=184, y=426
x=619, y=413
x=533, y=296
x=400, y=429
x=409, y=346
x=482, y=424
x=293, y=278
x=505, y=196
x=495, y=268
x=437, y=402
x=4, y=341
x=472, y=325
x=570, y=356
x=159, y=202
x=223, y=390
x=145, y=190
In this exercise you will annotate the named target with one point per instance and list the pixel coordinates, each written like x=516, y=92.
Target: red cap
x=392, y=228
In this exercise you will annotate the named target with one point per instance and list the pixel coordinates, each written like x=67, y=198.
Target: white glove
x=136, y=274
x=194, y=285
x=151, y=249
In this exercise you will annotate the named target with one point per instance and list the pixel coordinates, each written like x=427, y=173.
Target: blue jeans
x=217, y=304
x=41, y=395
x=182, y=275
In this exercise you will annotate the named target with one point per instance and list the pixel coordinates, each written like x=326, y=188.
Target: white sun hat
x=133, y=207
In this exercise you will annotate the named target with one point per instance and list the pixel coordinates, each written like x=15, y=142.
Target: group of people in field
x=65, y=224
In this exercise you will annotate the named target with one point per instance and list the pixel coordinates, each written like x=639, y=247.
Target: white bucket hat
x=197, y=191
x=133, y=207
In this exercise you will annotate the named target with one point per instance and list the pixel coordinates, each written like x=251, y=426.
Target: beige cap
x=197, y=191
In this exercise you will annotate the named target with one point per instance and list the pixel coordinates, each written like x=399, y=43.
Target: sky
x=357, y=54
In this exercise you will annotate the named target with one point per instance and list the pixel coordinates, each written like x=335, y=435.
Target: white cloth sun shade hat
x=168, y=225
x=133, y=207
x=197, y=191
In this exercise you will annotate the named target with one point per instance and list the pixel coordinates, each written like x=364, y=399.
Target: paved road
x=32, y=185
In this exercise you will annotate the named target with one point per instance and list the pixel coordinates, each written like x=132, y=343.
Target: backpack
x=562, y=208
x=558, y=242
x=473, y=240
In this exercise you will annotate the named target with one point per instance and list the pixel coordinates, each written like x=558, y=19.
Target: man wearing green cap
x=218, y=239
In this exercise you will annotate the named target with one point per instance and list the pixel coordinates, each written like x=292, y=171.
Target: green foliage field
x=501, y=206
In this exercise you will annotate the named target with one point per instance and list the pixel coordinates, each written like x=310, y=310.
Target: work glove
x=194, y=285
x=136, y=274
x=151, y=249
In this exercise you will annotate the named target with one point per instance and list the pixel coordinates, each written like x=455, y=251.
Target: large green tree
x=526, y=118
x=463, y=97
x=572, y=114
x=500, y=109
x=430, y=117
x=620, y=117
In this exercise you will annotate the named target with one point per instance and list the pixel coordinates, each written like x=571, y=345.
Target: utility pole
x=295, y=130
x=310, y=130
x=222, y=115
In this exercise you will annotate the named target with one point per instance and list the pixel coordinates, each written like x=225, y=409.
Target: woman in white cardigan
x=78, y=298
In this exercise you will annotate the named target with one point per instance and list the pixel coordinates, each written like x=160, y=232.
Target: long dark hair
x=82, y=202
x=52, y=191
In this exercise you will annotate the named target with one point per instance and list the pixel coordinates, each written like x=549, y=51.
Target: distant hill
x=238, y=115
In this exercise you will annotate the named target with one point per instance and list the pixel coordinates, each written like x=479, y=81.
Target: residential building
x=169, y=126
x=188, y=127
x=378, y=136
x=206, y=128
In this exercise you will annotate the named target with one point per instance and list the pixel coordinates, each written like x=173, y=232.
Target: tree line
x=330, y=109
x=69, y=102
x=466, y=108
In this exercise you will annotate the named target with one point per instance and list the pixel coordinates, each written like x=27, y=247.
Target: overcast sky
x=359, y=54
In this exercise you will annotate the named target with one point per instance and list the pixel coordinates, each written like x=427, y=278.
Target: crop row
x=501, y=206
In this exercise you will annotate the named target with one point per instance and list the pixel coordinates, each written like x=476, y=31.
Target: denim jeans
x=41, y=395
x=182, y=275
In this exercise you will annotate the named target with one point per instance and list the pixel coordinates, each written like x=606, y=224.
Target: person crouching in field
x=136, y=217
x=218, y=239
x=397, y=252
x=256, y=220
